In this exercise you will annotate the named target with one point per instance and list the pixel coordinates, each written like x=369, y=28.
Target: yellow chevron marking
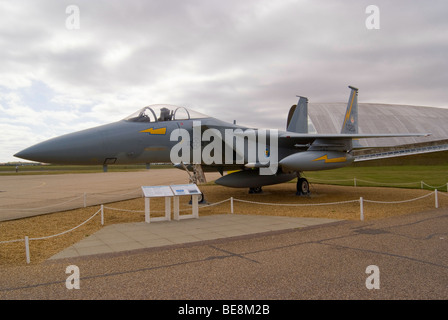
x=155, y=131
x=325, y=157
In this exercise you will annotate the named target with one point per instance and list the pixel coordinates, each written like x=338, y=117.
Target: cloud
x=243, y=60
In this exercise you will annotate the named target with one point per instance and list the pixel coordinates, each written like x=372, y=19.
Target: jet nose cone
x=24, y=154
x=41, y=152
x=83, y=147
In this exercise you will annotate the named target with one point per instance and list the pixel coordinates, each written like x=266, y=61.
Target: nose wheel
x=303, y=187
x=201, y=199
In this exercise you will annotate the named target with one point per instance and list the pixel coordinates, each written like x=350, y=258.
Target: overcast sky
x=244, y=60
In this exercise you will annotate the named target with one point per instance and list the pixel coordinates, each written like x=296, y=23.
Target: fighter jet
x=199, y=143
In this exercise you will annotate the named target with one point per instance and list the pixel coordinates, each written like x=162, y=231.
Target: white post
x=194, y=205
x=354, y=181
x=361, y=205
x=421, y=184
x=27, y=249
x=176, y=208
x=437, y=200
x=168, y=208
x=102, y=215
x=231, y=204
x=147, y=220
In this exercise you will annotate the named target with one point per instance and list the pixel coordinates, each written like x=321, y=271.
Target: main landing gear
x=255, y=190
x=303, y=187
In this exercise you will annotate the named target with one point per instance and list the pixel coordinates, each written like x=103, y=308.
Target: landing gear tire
x=201, y=199
x=255, y=190
x=303, y=187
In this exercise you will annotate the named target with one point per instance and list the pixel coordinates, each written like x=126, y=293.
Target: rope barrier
x=52, y=205
x=297, y=204
x=11, y=241
x=388, y=183
x=126, y=210
x=54, y=235
x=213, y=204
x=401, y=201
x=443, y=185
x=232, y=200
x=159, y=211
x=83, y=196
x=67, y=231
x=323, y=180
x=444, y=194
x=355, y=180
x=116, y=195
x=27, y=239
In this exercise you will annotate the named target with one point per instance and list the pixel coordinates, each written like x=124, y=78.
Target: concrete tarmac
x=131, y=236
x=402, y=257
x=31, y=195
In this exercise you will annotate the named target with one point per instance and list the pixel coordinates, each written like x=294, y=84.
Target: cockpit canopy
x=164, y=112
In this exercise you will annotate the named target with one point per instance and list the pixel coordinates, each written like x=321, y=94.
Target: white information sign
x=185, y=189
x=168, y=192
x=157, y=191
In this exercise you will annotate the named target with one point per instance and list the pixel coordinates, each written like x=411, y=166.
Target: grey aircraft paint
x=145, y=137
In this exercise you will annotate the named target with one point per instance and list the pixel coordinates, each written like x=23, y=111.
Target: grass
x=386, y=176
x=402, y=172
x=64, y=169
x=399, y=172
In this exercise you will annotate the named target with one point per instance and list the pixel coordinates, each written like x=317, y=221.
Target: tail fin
x=350, y=124
x=298, y=117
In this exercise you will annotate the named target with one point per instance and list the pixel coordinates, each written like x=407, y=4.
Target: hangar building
x=387, y=118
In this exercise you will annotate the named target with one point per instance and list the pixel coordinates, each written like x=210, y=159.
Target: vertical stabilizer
x=350, y=124
x=298, y=117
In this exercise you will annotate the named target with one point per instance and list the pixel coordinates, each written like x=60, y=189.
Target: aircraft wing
x=347, y=141
x=325, y=141
x=292, y=135
x=400, y=152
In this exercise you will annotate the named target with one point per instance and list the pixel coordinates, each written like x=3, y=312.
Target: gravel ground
x=55, y=223
x=325, y=262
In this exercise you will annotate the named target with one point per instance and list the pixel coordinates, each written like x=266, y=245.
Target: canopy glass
x=164, y=112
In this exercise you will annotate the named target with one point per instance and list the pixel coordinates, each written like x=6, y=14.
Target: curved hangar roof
x=383, y=118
